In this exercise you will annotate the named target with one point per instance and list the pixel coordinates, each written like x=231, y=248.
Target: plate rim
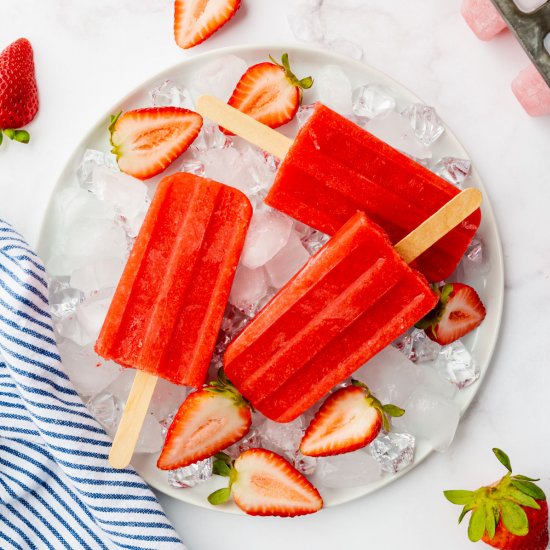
x=327, y=57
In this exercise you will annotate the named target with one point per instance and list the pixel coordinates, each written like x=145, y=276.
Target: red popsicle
x=167, y=310
x=335, y=168
x=351, y=299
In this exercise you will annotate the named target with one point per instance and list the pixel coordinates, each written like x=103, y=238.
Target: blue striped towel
x=56, y=488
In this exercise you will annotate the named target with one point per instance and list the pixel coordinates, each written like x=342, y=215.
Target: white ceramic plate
x=307, y=61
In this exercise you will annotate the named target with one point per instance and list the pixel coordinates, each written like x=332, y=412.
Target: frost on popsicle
x=102, y=212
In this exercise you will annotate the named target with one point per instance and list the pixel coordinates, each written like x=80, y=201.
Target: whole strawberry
x=18, y=91
x=511, y=514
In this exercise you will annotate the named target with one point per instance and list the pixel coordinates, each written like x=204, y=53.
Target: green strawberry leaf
x=459, y=497
x=490, y=519
x=393, y=410
x=10, y=133
x=1, y=137
x=514, y=518
x=22, y=136
x=525, y=478
x=306, y=83
x=503, y=459
x=518, y=496
x=465, y=510
x=476, y=527
x=220, y=468
x=529, y=488
x=220, y=496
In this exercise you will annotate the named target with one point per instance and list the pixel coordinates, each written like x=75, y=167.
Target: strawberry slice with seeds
x=208, y=421
x=270, y=92
x=263, y=483
x=147, y=141
x=348, y=420
x=196, y=20
x=459, y=311
x=511, y=514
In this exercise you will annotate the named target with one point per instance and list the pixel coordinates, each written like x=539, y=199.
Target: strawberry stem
x=302, y=84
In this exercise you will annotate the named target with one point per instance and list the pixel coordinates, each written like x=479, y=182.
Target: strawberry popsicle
x=167, y=310
x=335, y=168
x=350, y=300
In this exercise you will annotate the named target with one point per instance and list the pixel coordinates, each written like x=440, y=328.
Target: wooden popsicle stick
x=244, y=126
x=132, y=419
x=439, y=224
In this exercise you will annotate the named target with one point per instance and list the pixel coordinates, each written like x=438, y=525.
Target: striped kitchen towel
x=57, y=490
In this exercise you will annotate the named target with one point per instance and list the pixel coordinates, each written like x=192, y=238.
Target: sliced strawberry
x=208, y=421
x=459, y=311
x=18, y=91
x=196, y=20
x=269, y=92
x=348, y=420
x=147, y=141
x=265, y=484
x=511, y=514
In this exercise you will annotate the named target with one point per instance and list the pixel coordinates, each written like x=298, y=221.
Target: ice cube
x=126, y=194
x=191, y=475
x=454, y=170
x=281, y=268
x=151, y=437
x=396, y=130
x=391, y=377
x=92, y=312
x=347, y=48
x=457, y=364
x=169, y=94
x=424, y=349
x=107, y=410
x=425, y=122
x=167, y=399
x=93, y=240
x=304, y=20
x=431, y=417
x=393, y=451
x=192, y=166
x=120, y=387
x=219, y=77
x=475, y=261
x=268, y=233
x=249, y=287
x=90, y=160
x=210, y=137
x=347, y=470
x=304, y=113
x=234, y=321
x=334, y=89
x=89, y=373
x=404, y=344
x=97, y=275
x=282, y=438
x=315, y=241
x=271, y=162
x=306, y=465
x=63, y=299
x=250, y=441
x=372, y=101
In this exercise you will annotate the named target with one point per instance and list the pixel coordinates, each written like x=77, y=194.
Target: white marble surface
x=89, y=53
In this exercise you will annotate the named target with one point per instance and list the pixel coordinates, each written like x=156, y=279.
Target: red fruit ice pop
x=335, y=168
x=168, y=307
x=350, y=300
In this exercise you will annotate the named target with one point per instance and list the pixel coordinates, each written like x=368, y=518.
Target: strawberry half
x=459, y=311
x=147, y=141
x=511, y=514
x=348, y=420
x=269, y=92
x=263, y=483
x=196, y=20
x=208, y=421
x=18, y=91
